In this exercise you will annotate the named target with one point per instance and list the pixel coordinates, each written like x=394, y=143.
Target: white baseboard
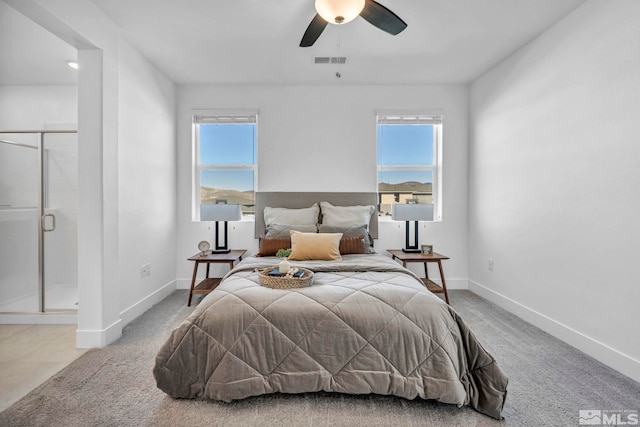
x=453, y=283
x=88, y=338
x=101, y=338
x=183, y=283
x=609, y=356
x=146, y=303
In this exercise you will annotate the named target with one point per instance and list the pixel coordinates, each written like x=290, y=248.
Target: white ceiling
x=31, y=55
x=256, y=41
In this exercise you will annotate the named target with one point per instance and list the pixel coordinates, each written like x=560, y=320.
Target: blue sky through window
x=227, y=145
x=405, y=145
x=235, y=145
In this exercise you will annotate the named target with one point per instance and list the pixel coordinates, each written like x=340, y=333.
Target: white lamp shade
x=412, y=212
x=339, y=11
x=220, y=212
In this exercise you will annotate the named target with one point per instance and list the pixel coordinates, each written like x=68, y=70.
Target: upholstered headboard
x=298, y=200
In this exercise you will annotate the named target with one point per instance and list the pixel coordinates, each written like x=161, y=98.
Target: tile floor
x=31, y=354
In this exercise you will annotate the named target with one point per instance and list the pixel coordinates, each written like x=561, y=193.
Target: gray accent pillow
x=306, y=216
x=350, y=232
x=281, y=231
x=346, y=216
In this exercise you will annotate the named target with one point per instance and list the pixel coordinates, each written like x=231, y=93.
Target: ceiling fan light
x=339, y=11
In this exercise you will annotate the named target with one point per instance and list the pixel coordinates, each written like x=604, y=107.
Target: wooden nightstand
x=209, y=284
x=406, y=257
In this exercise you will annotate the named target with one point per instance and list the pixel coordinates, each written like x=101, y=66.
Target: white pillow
x=304, y=216
x=346, y=216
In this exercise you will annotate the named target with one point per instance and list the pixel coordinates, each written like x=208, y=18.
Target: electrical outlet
x=490, y=264
x=145, y=270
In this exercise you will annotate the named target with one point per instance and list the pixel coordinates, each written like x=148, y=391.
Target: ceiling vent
x=330, y=60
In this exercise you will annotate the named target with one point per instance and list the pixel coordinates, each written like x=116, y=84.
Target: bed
x=366, y=325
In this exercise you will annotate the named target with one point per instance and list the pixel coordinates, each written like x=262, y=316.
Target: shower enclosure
x=38, y=222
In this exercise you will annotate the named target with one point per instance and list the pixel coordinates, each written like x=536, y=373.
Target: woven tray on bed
x=284, y=282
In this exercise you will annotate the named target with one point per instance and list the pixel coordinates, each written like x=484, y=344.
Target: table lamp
x=221, y=212
x=412, y=212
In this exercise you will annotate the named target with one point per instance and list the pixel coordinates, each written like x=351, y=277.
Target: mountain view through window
x=407, y=161
x=227, y=160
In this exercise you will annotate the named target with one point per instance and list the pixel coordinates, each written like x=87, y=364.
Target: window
x=409, y=161
x=225, y=160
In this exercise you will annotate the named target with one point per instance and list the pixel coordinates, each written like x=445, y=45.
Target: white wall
x=46, y=105
x=323, y=138
x=107, y=299
x=147, y=180
x=554, y=182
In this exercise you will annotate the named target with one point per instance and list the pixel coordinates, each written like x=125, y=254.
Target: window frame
x=231, y=117
x=416, y=118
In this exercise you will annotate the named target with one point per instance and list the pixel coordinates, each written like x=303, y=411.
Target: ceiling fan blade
x=381, y=17
x=315, y=28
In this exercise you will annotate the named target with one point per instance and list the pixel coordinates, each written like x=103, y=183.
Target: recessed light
x=72, y=64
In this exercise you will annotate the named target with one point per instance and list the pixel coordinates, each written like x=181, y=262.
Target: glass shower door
x=19, y=223
x=38, y=222
x=60, y=221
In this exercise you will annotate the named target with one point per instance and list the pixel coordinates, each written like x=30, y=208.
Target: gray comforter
x=366, y=325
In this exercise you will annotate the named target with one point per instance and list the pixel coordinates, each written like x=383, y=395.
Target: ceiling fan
x=342, y=11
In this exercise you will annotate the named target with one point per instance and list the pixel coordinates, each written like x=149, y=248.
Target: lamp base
x=411, y=250
x=220, y=251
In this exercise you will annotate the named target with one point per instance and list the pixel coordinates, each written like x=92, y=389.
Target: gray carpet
x=549, y=383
